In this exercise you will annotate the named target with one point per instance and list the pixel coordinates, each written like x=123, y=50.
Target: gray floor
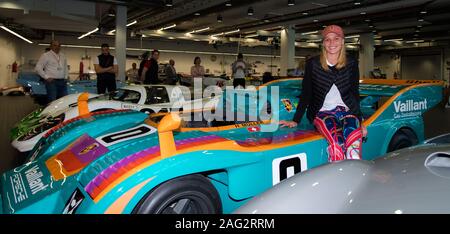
x=12, y=109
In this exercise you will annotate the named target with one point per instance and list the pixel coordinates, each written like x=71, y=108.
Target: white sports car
x=145, y=98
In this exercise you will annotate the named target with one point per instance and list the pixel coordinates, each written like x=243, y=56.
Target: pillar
x=287, y=53
x=121, y=40
x=366, y=54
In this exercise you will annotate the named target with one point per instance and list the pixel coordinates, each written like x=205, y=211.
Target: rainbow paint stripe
x=301, y=134
x=118, y=169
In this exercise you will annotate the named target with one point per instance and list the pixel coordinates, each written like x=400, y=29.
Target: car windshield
x=124, y=95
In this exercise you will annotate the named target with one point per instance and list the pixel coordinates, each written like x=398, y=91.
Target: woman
x=197, y=70
x=331, y=93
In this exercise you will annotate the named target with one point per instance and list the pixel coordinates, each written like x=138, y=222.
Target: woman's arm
x=306, y=94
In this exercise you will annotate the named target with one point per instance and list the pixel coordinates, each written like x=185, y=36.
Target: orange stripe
x=119, y=205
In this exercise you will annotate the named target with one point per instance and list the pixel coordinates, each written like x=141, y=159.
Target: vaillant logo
x=409, y=108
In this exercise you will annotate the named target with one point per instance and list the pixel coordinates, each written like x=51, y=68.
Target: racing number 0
x=285, y=167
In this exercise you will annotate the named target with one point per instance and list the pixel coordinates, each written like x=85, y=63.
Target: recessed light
x=291, y=2
x=250, y=11
x=228, y=4
x=169, y=3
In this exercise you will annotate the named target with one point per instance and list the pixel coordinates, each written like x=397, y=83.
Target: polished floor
x=12, y=109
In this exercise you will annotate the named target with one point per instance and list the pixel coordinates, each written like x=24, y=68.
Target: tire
x=402, y=138
x=192, y=194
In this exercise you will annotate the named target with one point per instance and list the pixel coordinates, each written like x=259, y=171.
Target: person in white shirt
x=240, y=70
x=132, y=74
x=52, y=67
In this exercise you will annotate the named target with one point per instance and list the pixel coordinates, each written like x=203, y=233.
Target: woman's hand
x=291, y=124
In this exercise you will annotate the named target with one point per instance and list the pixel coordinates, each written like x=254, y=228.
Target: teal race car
x=193, y=162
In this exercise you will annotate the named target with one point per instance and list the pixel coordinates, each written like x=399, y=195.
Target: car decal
x=74, y=202
x=285, y=167
x=287, y=104
x=125, y=135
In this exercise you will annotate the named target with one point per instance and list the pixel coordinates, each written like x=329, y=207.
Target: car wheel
x=402, y=139
x=192, y=194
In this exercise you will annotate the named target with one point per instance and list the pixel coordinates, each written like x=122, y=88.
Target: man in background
x=52, y=67
x=239, y=70
x=171, y=73
x=132, y=74
x=107, y=69
x=150, y=70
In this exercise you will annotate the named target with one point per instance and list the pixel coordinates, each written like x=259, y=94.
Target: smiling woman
x=330, y=92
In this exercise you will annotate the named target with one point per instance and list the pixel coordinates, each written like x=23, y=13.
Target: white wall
x=388, y=63
x=10, y=51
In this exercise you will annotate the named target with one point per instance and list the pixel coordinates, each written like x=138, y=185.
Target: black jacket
x=317, y=83
x=106, y=61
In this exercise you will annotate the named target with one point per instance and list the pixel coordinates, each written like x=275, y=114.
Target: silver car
x=411, y=180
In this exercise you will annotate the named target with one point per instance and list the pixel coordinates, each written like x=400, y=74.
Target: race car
x=408, y=181
x=123, y=162
x=145, y=98
x=32, y=83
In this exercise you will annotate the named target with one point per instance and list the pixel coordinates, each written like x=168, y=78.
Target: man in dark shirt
x=150, y=71
x=106, y=68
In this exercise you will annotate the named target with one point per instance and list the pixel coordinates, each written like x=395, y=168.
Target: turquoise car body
x=124, y=155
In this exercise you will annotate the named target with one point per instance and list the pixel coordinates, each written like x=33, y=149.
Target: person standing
x=132, y=74
x=150, y=69
x=52, y=67
x=107, y=69
x=330, y=93
x=171, y=73
x=197, y=70
x=239, y=71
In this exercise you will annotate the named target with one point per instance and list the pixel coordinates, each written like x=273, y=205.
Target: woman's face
x=333, y=43
x=198, y=61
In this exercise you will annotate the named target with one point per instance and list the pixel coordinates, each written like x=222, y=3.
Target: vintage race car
x=145, y=98
x=412, y=180
x=123, y=162
x=33, y=83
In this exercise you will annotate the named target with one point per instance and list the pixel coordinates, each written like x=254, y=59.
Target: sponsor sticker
x=74, y=202
x=287, y=104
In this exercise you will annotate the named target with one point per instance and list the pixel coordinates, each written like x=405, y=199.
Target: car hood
x=413, y=180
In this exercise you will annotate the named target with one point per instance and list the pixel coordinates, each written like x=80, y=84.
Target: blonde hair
x=342, y=59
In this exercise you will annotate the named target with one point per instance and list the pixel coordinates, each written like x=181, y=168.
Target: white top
x=52, y=65
x=333, y=98
x=240, y=70
x=97, y=62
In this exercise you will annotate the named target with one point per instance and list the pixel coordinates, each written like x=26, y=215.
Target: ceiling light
x=111, y=13
x=417, y=30
x=219, y=18
x=250, y=11
x=420, y=20
x=417, y=41
x=228, y=4
x=357, y=3
x=305, y=13
x=397, y=39
x=169, y=3
x=324, y=26
x=423, y=12
x=309, y=33
x=199, y=30
x=419, y=26
x=315, y=20
x=88, y=33
x=363, y=13
x=134, y=22
x=367, y=20
x=251, y=35
x=314, y=41
x=353, y=36
x=291, y=2
x=15, y=34
x=230, y=32
x=168, y=27
x=197, y=13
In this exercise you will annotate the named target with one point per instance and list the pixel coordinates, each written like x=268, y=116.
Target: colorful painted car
x=121, y=162
x=407, y=181
x=145, y=98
